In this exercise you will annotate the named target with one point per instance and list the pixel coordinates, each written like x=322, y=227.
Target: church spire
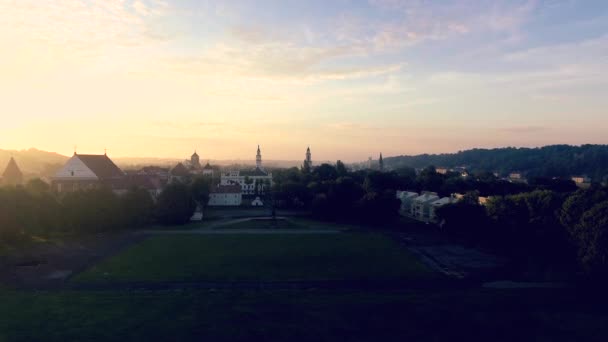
x=381, y=162
x=258, y=159
x=308, y=160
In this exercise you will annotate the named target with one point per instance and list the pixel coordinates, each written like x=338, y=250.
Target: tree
x=577, y=204
x=378, y=207
x=175, y=205
x=377, y=181
x=320, y=207
x=464, y=219
x=95, y=210
x=15, y=209
x=293, y=194
x=137, y=207
x=37, y=186
x=325, y=172
x=585, y=216
x=430, y=180
x=200, y=189
x=341, y=169
x=592, y=240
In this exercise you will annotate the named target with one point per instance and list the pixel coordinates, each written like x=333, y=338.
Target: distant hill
x=33, y=162
x=547, y=161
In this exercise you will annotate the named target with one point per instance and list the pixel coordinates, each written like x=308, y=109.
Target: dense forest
x=548, y=161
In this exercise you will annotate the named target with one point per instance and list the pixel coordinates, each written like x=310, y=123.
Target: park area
x=291, y=280
x=261, y=258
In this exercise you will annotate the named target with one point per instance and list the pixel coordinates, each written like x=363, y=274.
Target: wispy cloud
x=523, y=129
x=78, y=23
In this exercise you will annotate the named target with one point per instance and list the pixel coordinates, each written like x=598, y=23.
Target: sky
x=350, y=79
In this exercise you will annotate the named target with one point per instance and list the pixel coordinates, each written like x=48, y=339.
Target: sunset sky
x=351, y=79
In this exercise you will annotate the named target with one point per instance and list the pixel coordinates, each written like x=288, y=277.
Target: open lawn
x=264, y=224
x=278, y=257
x=295, y=316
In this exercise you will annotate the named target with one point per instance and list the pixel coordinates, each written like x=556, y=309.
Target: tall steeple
x=381, y=162
x=258, y=159
x=308, y=160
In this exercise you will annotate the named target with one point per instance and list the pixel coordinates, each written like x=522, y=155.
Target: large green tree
x=175, y=204
x=201, y=188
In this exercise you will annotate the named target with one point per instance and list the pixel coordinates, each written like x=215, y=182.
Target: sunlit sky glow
x=158, y=78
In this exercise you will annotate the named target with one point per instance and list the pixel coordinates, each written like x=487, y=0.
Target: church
x=12, y=174
x=88, y=171
x=252, y=182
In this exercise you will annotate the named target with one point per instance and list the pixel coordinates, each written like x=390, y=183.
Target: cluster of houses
x=230, y=188
x=423, y=206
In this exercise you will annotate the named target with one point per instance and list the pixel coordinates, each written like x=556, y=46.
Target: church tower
x=308, y=160
x=195, y=161
x=381, y=163
x=258, y=159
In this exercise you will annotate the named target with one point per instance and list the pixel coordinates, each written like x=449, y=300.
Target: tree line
x=34, y=210
x=543, y=231
x=548, y=161
x=332, y=191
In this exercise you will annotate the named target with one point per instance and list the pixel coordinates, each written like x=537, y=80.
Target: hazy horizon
x=351, y=79
x=134, y=160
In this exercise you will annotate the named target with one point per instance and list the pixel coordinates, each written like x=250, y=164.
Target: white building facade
x=253, y=182
x=226, y=196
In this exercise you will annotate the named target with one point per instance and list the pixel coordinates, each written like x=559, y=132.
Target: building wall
x=71, y=185
x=233, y=177
x=225, y=199
x=75, y=169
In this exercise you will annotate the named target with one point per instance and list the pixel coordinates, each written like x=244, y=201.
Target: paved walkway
x=215, y=229
x=398, y=284
x=240, y=231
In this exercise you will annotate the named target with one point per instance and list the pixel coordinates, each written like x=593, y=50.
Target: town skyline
x=350, y=78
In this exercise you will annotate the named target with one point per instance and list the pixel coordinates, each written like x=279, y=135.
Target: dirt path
x=49, y=265
x=52, y=265
x=452, y=260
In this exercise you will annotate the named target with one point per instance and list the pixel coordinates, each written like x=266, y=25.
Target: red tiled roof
x=180, y=170
x=101, y=165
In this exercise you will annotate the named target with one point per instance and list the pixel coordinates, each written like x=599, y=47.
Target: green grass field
x=297, y=316
x=264, y=224
x=181, y=314
x=277, y=257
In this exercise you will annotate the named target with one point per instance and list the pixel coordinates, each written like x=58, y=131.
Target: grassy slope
x=298, y=316
x=260, y=257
